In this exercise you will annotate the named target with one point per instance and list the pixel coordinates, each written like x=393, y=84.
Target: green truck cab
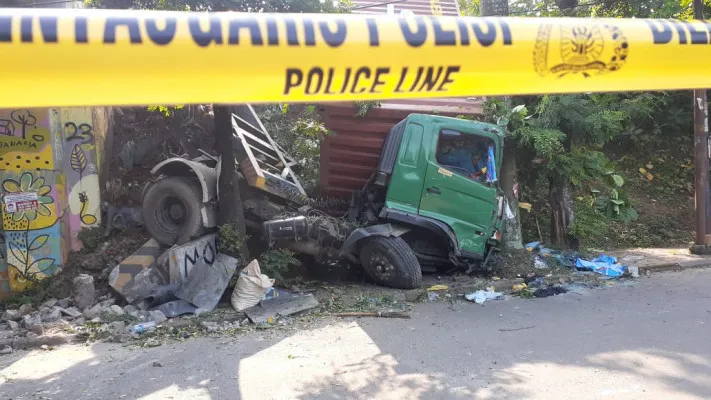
x=433, y=202
x=451, y=210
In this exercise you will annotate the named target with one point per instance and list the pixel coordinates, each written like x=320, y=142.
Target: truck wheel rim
x=381, y=265
x=171, y=213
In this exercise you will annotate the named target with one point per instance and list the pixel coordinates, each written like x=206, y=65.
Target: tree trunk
x=230, y=210
x=560, y=198
x=511, y=227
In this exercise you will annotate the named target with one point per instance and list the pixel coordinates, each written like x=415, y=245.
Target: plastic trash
x=481, y=296
x=270, y=293
x=146, y=326
x=532, y=246
x=435, y=288
x=603, y=265
x=539, y=262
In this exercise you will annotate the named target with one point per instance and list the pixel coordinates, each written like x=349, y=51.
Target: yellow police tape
x=91, y=57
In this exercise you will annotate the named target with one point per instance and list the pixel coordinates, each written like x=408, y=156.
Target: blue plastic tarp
x=604, y=265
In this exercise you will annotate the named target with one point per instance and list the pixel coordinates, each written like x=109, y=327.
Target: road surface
x=649, y=340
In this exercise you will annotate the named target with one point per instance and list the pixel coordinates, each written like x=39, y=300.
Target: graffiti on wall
x=50, y=190
x=31, y=241
x=82, y=180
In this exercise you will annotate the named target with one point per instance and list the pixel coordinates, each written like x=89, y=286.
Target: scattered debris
x=158, y=316
x=177, y=308
x=516, y=329
x=518, y=287
x=13, y=325
x=156, y=364
x=281, y=306
x=204, y=286
x=437, y=288
x=380, y=314
x=33, y=323
x=210, y=326
x=83, y=291
x=634, y=271
x=11, y=315
x=71, y=312
x=604, y=265
x=6, y=350
x=432, y=296
x=25, y=309
x=549, y=291
x=136, y=276
x=481, y=296
x=250, y=288
x=141, y=328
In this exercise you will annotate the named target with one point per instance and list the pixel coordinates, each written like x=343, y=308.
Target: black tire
x=389, y=261
x=171, y=210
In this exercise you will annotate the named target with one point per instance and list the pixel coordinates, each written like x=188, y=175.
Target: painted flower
x=29, y=184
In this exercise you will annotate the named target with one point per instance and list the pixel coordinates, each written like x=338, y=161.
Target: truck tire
x=389, y=261
x=171, y=210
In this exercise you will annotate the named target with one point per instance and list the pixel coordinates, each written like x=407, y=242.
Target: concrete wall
x=50, y=189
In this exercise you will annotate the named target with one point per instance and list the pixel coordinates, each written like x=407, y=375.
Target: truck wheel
x=171, y=210
x=389, y=261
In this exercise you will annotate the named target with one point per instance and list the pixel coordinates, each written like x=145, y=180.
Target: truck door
x=409, y=172
x=453, y=194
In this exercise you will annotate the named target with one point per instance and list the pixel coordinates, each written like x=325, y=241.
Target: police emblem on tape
x=586, y=50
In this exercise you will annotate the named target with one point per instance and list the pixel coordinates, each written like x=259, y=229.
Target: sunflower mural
x=31, y=232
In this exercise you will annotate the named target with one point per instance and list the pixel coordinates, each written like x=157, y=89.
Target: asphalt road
x=649, y=340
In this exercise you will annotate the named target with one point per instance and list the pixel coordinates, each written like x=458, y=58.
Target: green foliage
x=167, y=111
x=275, y=263
x=231, y=242
x=299, y=130
x=364, y=107
x=264, y=6
x=90, y=238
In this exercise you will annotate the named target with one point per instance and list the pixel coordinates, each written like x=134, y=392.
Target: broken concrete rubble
x=114, y=309
x=93, y=312
x=25, y=309
x=11, y=315
x=49, y=303
x=33, y=324
x=83, y=291
x=157, y=316
x=71, y=311
x=64, y=303
x=53, y=315
x=139, y=273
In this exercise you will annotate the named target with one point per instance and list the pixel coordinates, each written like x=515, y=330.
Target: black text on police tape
x=317, y=80
x=266, y=31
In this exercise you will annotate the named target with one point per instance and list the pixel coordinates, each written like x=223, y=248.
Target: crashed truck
x=418, y=211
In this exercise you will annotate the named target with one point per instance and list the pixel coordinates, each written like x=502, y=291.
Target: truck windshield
x=468, y=155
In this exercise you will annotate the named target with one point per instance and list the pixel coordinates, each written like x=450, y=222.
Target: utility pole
x=701, y=161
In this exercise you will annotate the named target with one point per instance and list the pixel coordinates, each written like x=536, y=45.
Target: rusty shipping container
x=350, y=155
